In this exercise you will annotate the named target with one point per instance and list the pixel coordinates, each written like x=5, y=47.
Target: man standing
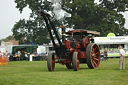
x=122, y=58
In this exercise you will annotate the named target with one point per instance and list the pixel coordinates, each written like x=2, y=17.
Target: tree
x=10, y=37
x=27, y=31
x=104, y=17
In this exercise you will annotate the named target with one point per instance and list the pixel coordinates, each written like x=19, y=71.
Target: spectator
x=0, y=54
x=35, y=57
x=18, y=54
x=102, y=55
x=105, y=54
x=22, y=55
x=10, y=56
x=6, y=53
x=28, y=56
x=122, y=58
x=35, y=53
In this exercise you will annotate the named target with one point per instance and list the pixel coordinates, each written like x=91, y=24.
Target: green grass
x=36, y=73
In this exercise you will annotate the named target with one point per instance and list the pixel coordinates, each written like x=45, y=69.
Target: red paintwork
x=72, y=50
x=86, y=41
x=83, y=43
x=53, y=62
x=67, y=44
x=78, y=45
x=82, y=54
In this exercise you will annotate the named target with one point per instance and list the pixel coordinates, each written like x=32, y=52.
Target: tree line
x=104, y=17
x=10, y=37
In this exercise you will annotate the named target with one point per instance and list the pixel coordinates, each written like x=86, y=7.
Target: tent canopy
x=26, y=48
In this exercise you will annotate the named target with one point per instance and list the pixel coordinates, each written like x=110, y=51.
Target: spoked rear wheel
x=92, y=56
x=75, y=61
x=51, y=62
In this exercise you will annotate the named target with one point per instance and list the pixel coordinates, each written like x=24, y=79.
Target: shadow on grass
x=63, y=69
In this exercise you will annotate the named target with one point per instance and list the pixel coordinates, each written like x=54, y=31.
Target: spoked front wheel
x=75, y=61
x=51, y=62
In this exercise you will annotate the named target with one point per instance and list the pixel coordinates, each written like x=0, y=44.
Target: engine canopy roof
x=81, y=31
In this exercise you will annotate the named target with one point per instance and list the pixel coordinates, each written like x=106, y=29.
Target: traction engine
x=74, y=49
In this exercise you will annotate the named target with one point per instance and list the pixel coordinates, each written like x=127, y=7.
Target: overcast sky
x=9, y=15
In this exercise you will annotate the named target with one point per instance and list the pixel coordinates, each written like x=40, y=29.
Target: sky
x=9, y=15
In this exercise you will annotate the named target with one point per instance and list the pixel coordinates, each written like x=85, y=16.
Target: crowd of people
x=3, y=54
x=22, y=55
x=104, y=55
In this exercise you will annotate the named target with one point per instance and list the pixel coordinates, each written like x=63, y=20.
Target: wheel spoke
x=95, y=48
x=95, y=64
x=96, y=59
x=97, y=53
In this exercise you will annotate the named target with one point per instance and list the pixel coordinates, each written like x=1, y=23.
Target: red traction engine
x=74, y=49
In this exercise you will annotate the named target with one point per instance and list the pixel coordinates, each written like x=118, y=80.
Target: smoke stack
x=63, y=33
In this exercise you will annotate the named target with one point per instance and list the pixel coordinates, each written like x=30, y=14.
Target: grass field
x=36, y=73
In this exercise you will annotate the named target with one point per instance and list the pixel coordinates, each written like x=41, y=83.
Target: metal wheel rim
x=75, y=61
x=53, y=62
x=95, y=56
